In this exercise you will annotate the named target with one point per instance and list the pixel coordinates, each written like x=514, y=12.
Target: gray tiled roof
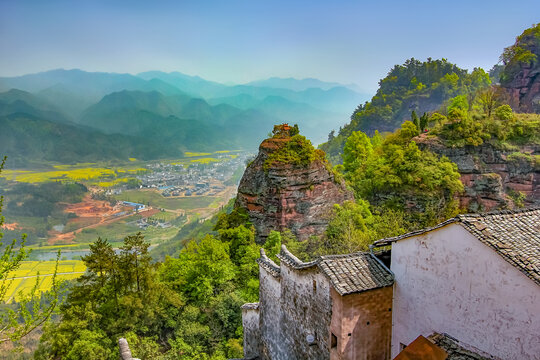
x=266, y=263
x=353, y=273
x=286, y=257
x=513, y=234
x=349, y=273
x=250, y=306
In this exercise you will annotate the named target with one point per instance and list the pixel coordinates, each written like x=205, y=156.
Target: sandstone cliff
x=521, y=74
x=493, y=178
x=524, y=89
x=283, y=194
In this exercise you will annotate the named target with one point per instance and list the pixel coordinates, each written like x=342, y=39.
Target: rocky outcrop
x=493, y=178
x=524, y=90
x=521, y=73
x=284, y=195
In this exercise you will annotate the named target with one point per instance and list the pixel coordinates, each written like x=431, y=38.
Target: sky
x=234, y=41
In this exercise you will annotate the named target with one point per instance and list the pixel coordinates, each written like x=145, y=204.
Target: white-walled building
x=473, y=277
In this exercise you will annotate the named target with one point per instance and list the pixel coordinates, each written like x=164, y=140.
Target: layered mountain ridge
x=184, y=112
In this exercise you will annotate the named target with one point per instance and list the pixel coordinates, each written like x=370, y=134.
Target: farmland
x=99, y=176
x=155, y=199
x=25, y=277
x=68, y=206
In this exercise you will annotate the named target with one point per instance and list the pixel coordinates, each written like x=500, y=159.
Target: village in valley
x=156, y=198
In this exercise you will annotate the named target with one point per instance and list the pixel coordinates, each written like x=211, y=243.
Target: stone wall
x=270, y=314
x=305, y=311
x=362, y=325
x=252, y=332
x=294, y=304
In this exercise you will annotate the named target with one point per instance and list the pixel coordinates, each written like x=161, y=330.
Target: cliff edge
x=289, y=185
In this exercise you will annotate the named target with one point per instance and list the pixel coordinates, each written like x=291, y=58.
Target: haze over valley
x=269, y=180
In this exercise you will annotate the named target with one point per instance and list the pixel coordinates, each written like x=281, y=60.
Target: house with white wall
x=469, y=286
x=334, y=307
x=476, y=278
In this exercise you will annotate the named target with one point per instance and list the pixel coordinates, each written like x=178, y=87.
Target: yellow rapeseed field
x=194, y=154
x=24, y=279
x=70, y=175
x=206, y=160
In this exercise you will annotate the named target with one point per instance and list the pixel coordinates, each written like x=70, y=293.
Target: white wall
x=448, y=281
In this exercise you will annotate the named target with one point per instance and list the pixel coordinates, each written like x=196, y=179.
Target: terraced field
x=24, y=279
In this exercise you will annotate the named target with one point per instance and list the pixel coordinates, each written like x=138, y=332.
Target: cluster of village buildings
x=195, y=180
x=467, y=289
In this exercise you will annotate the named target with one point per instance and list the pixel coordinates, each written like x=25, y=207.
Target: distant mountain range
x=299, y=85
x=156, y=114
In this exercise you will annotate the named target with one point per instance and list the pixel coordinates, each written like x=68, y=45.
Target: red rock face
x=524, y=90
x=490, y=179
x=288, y=196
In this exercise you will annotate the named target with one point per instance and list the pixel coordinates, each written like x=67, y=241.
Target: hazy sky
x=239, y=41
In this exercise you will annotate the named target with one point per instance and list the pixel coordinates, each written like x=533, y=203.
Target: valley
x=154, y=198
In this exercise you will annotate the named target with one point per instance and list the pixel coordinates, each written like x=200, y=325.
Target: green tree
x=488, y=100
x=398, y=172
x=415, y=120
x=348, y=230
x=29, y=313
x=458, y=108
x=272, y=246
x=357, y=150
x=423, y=122
x=136, y=261
x=119, y=294
x=504, y=112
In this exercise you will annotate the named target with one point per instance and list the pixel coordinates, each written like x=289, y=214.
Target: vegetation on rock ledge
x=297, y=151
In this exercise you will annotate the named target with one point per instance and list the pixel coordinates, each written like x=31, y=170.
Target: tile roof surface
x=457, y=350
x=349, y=273
x=513, y=234
x=266, y=263
x=353, y=273
x=250, y=306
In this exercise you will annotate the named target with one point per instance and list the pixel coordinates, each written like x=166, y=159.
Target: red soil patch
x=12, y=226
x=91, y=208
x=90, y=213
x=148, y=212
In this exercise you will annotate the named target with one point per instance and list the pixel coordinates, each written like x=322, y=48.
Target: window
x=333, y=341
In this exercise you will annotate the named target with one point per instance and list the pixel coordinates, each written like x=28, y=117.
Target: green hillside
x=421, y=86
x=179, y=121
x=28, y=139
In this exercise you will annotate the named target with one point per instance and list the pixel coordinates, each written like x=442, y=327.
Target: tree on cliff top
x=296, y=151
x=524, y=52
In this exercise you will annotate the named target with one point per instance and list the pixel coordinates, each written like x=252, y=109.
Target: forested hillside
x=420, y=86
x=154, y=108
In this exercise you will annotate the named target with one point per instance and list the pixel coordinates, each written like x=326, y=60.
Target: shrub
x=504, y=112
